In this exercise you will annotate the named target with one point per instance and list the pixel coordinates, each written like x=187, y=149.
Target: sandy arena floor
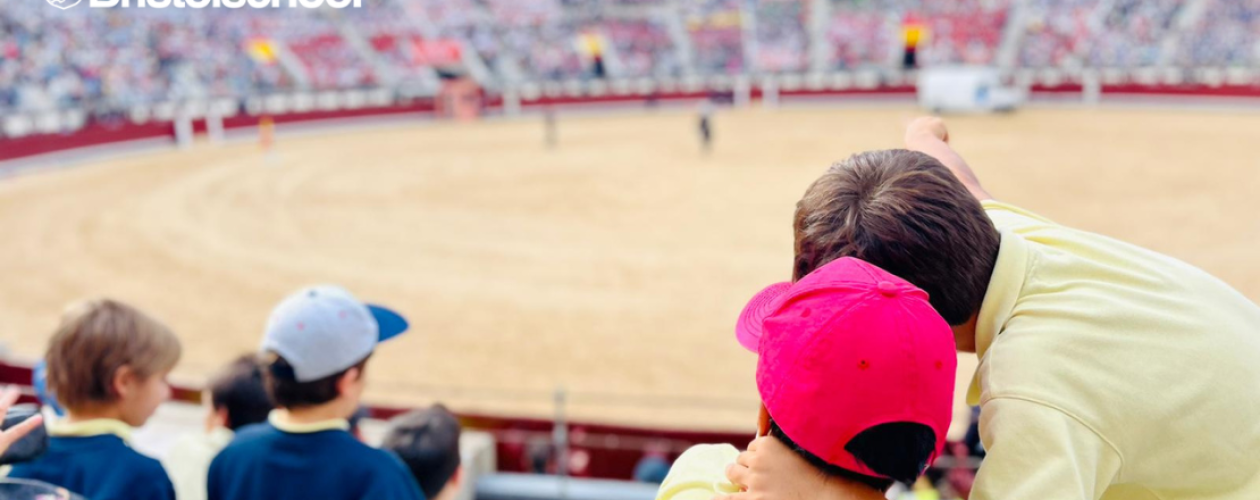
x=614, y=266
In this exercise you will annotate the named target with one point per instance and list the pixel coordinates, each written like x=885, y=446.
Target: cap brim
x=748, y=328
x=390, y=323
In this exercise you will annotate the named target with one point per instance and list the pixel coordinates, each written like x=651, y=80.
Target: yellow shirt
x=1110, y=371
x=699, y=473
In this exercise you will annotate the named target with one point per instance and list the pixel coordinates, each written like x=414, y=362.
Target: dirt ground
x=613, y=266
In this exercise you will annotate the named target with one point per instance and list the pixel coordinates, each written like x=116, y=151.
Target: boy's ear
x=350, y=377
x=124, y=381
x=457, y=479
x=763, y=422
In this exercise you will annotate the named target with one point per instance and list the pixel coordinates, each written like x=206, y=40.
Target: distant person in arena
x=234, y=399
x=855, y=371
x=705, y=126
x=315, y=351
x=106, y=364
x=1107, y=371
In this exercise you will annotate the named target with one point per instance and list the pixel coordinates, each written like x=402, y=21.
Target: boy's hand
x=8, y=437
x=926, y=126
x=769, y=470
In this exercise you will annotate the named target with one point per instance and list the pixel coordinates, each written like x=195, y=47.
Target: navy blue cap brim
x=390, y=323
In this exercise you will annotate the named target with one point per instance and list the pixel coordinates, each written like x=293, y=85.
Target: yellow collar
x=280, y=420
x=86, y=428
x=1009, y=273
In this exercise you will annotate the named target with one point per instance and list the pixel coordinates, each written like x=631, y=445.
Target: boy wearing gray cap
x=316, y=347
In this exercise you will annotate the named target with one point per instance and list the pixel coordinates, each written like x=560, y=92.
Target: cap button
x=887, y=288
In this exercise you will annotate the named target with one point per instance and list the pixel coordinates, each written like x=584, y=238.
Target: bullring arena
x=612, y=266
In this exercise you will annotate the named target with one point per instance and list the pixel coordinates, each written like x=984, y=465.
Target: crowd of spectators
x=717, y=38
x=1225, y=35
x=113, y=58
x=1120, y=34
x=782, y=36
x=861, y=35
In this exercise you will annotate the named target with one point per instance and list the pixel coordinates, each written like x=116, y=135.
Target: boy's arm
x=928, y=135
x=1035, y=451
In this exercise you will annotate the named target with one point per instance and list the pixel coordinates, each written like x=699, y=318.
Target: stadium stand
x=110, y=60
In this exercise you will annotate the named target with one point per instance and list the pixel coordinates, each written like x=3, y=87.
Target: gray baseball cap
x=322, y=330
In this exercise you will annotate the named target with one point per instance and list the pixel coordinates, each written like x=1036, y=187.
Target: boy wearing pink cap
x=856, y=377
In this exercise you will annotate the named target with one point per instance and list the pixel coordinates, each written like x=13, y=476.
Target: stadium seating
x=95, y=59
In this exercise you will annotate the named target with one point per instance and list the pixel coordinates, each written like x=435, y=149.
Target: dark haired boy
x=428, y=442
x=315, y=350
x=235, y=398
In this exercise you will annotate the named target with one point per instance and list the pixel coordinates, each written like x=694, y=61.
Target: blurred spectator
x=107, y=365
x=654, y=465
x=357, y=418
x=235, y=398
x=428, y=442
x=39, y=381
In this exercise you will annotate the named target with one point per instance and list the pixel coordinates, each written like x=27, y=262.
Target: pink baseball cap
x=847, y=348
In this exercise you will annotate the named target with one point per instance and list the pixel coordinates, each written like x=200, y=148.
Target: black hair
x=427, y=441
x=899, y=450
x=239, y=390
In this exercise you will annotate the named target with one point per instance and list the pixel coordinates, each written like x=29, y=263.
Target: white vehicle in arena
x=954, y=89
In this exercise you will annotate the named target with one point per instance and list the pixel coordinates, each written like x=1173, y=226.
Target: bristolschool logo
x=211, y=4
x=64, y=4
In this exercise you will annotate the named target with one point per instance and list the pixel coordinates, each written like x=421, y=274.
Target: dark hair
x=904, y=212
x=238, y=388
x=428, y=442
x=899, y=450
x=286, y=392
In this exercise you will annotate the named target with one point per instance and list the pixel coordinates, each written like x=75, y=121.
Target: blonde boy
x=107, y=365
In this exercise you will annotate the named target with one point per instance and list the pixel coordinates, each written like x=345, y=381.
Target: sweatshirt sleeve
x=699, y=473
x=1036, y=451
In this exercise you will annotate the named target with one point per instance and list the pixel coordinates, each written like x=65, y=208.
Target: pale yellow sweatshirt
x=1111, y=371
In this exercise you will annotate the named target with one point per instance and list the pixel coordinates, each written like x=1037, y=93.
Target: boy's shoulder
x=251, y=432
x=251, y=437
x=111, y=448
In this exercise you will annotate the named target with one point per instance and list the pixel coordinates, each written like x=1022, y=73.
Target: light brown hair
x=904, y=212
x=94, y=340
